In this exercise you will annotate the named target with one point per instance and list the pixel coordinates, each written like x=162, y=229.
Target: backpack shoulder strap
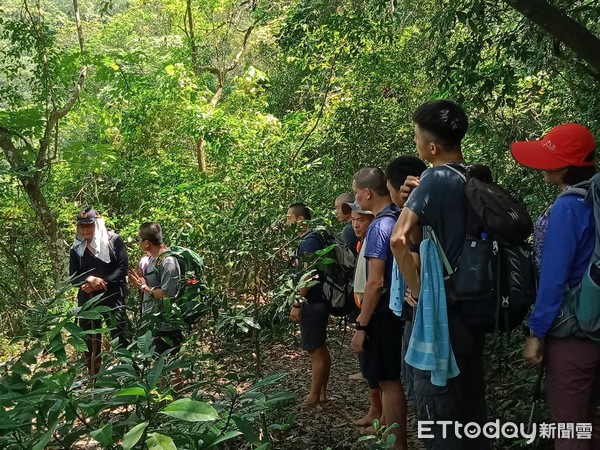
x=458, y=168
x=582, y=189
x=430, y=233
x=164, y=255
x=392, y=214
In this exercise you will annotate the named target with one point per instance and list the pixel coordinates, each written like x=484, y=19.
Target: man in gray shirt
x=159, y=281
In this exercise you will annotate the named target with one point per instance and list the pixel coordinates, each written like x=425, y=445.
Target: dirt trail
x=330, y=425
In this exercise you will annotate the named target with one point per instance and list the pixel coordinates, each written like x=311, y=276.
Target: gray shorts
x=313, y=325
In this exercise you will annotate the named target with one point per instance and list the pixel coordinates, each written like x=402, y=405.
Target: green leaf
x=77, y=343
x=44, y=439
x=190, y=410
x=135, y=391
x=74, y=329
x=133, y=436
x=224, y=437
x=104, y=435
x=250, y=321
x=281, y=397
x=271, y=379
x=29, y=357
x=155, y=373
x=157, y=441
x=247, y=430
x=144, y=343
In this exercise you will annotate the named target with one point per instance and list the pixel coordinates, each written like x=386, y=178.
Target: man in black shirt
x=313, y=313
x=438, y=201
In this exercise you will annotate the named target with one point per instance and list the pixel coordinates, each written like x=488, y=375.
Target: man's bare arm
x=406, y=228
x=373, y=289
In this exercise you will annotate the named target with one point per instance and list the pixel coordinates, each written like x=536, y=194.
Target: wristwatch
x=360, y=327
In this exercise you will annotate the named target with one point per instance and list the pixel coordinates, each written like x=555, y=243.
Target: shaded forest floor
x=331, y=425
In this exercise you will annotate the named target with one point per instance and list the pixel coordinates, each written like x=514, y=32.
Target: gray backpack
x=580, y=312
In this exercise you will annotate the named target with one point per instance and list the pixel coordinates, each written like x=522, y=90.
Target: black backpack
x=336, y=263
x=494, y=282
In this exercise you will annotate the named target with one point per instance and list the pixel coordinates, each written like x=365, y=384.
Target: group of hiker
x=421, y=250
x=425, y=246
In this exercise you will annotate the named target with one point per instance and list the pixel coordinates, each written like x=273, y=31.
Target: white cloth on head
x=99, y=245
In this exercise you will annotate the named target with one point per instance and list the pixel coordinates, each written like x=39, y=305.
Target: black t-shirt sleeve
x=424, y=201
x=74, y=268
x=120, y=261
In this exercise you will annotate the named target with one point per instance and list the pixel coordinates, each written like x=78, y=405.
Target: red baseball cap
x=565, y=145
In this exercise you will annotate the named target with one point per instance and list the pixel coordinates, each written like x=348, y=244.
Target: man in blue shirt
x=438, y=201
x=313, y=313
x=378, y=329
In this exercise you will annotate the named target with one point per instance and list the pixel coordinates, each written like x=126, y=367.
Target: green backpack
x=191, y=284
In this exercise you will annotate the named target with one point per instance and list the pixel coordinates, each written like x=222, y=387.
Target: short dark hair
x=445, y=120
x=300, y=209
x=372, y=178
x=152, y=232
x=577, y=174
x=401, y=167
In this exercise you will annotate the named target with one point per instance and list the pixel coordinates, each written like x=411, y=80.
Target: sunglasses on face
x=140, y=239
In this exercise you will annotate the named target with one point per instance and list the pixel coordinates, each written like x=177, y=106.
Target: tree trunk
x=201, y=154
x=560, y=26
x=54, y=238
x=33, y=189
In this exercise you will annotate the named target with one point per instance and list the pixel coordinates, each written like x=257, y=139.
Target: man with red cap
x=564, y=240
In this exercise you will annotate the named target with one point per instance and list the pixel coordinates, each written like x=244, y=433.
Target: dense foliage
x=212, y=116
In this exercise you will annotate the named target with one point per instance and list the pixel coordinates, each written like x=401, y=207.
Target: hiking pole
x=536, y=397
x=343, y=320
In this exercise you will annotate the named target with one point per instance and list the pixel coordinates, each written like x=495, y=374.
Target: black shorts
x=313, y=325
x=382, y=360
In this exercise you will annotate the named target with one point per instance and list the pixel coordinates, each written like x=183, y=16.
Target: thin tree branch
x=239, y=55
x=320, y=114
x=78, y=23
x=56, y=115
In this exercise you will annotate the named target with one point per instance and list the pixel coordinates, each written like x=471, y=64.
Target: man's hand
x=295, y=314
x=409, y=185
x=408, y=298
x=533, y=351
x=136, y=279
x=93, y=284
x=358, y=341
